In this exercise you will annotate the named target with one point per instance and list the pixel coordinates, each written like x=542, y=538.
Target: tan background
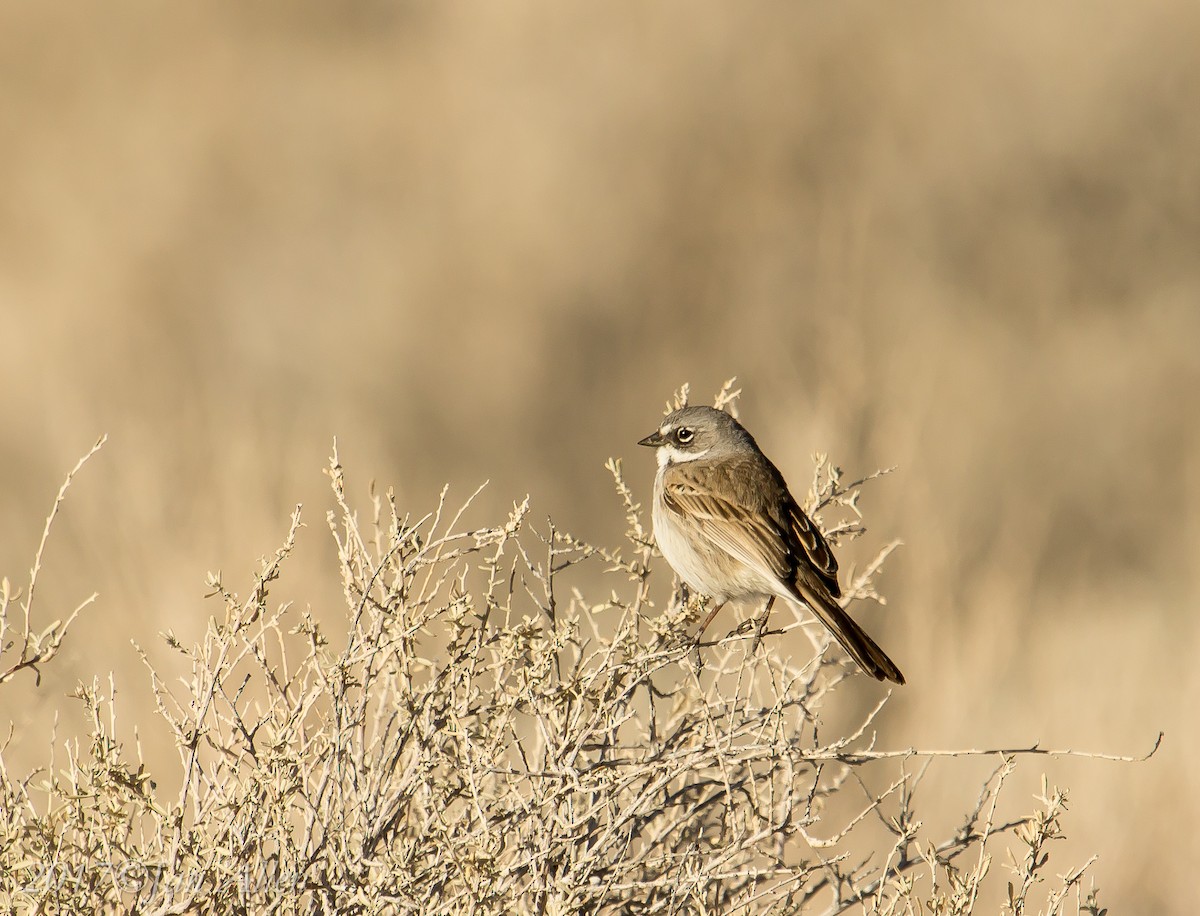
x=488, y=241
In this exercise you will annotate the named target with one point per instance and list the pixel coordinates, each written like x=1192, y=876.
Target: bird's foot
x=762, y=625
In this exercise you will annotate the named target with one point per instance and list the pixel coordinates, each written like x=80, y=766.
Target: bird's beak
x=654, y=440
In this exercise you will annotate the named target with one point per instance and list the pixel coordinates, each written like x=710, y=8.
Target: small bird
x=727, y=524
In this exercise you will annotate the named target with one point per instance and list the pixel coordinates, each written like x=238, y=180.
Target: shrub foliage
x=481, y=736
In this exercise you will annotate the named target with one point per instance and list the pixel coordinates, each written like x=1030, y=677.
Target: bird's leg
x=709, y=619
x=762, y=623
x=700, y=634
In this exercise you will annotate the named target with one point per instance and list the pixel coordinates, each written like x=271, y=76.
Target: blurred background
x=488, y=241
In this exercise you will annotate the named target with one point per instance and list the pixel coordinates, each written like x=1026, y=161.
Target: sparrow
x=727, y=524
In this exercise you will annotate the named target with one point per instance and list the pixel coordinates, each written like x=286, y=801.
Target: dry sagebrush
x=481, y=737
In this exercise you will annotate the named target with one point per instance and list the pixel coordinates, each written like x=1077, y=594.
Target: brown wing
x=805, y=543
x=808, y=542
x=721, y=505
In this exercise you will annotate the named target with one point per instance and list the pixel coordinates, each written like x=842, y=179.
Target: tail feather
x=853, y=638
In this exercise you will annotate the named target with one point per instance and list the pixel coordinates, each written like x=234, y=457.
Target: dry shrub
x=483, y=738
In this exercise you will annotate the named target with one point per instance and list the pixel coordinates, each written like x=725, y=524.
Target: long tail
x=853, y=638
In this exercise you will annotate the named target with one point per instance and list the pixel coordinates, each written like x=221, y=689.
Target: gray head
x=698, y=432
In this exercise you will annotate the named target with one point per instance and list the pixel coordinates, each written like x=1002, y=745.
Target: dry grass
x=480, y=736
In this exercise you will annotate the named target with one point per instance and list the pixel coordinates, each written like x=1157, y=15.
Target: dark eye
x=684, y=435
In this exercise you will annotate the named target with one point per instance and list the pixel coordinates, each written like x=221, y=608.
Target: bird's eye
x=684, y=435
